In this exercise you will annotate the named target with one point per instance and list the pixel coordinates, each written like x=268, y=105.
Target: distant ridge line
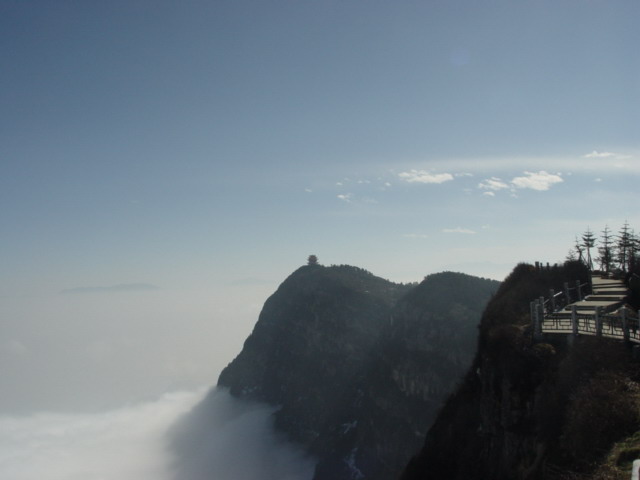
x=121, y=287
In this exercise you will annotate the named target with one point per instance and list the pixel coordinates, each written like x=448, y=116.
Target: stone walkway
x=598, y=314
x=607, y=293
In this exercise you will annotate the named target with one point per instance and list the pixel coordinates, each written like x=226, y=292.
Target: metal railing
x=568, y=295
x=622, y=326
x=550, y=315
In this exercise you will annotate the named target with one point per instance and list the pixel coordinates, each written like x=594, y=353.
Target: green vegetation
x=618, y=463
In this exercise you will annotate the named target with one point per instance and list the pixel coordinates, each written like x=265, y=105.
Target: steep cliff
x=421, y=355
x=535, y=409
x=357, y=365
x=313, y=336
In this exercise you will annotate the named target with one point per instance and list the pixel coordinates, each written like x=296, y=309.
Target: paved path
x=598, y=314
x=608, y=294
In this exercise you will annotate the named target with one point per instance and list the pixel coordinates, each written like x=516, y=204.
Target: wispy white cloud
x=627, y=160
x=13, y=348
x=385, y=186
x=493, y=183
x=489, y=194
x=415, y=235
x=463, y=174
x=597, y=154
x=539, y=181
x=345, y=197
x=465, y=231
x=308, y=190
x=424, y=176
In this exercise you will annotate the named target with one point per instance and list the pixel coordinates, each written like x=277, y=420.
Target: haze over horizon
x=164, y=166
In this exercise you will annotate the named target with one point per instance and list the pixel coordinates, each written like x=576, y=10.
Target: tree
x=625, y=246
x=571, y=256
x=588, y=242
x=312, y=260
x=578, y=249
x=606, y=250
x=634, y=248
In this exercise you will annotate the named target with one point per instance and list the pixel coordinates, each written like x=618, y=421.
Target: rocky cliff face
x=358, y=365
x=313, y=336
x=420, y=356
x=535, y=409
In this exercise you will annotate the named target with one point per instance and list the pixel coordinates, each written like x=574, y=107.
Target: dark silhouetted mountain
x=357, y=365
x=420, y=356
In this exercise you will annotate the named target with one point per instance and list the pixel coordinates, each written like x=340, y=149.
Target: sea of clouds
x=164, y=439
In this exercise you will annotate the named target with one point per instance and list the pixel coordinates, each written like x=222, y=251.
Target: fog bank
x=236, y=440
x=93, y=352
x=133, y=443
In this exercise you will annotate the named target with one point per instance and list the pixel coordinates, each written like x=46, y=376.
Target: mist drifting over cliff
x=134, y=443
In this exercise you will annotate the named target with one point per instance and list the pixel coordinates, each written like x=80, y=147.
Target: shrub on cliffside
x=602, y=411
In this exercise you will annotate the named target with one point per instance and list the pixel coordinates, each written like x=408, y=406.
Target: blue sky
x=208, y=148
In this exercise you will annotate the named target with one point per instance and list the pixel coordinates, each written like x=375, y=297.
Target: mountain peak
x=337, y=345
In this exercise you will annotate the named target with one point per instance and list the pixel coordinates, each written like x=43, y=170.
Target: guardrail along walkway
x=601, y=313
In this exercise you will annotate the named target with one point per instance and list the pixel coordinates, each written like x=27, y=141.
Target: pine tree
x=634, y=250
x=606, y=250
x=578, y=250
x=624, y=246
x=588, y=242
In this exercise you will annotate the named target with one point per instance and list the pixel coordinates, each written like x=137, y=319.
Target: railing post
x=567, y=295
x=537, y=321
x=532, y=313
x=625, y=325
x=635, y=470
x=578, y=290
x=598, y=322
x=574, y=321
x=540, y=310
x=552, y=300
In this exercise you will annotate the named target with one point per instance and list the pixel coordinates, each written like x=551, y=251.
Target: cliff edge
x=536, y=410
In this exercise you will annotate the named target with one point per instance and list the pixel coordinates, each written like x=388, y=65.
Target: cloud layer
x=122, y=287
x=132, y=444
x=229, y=439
